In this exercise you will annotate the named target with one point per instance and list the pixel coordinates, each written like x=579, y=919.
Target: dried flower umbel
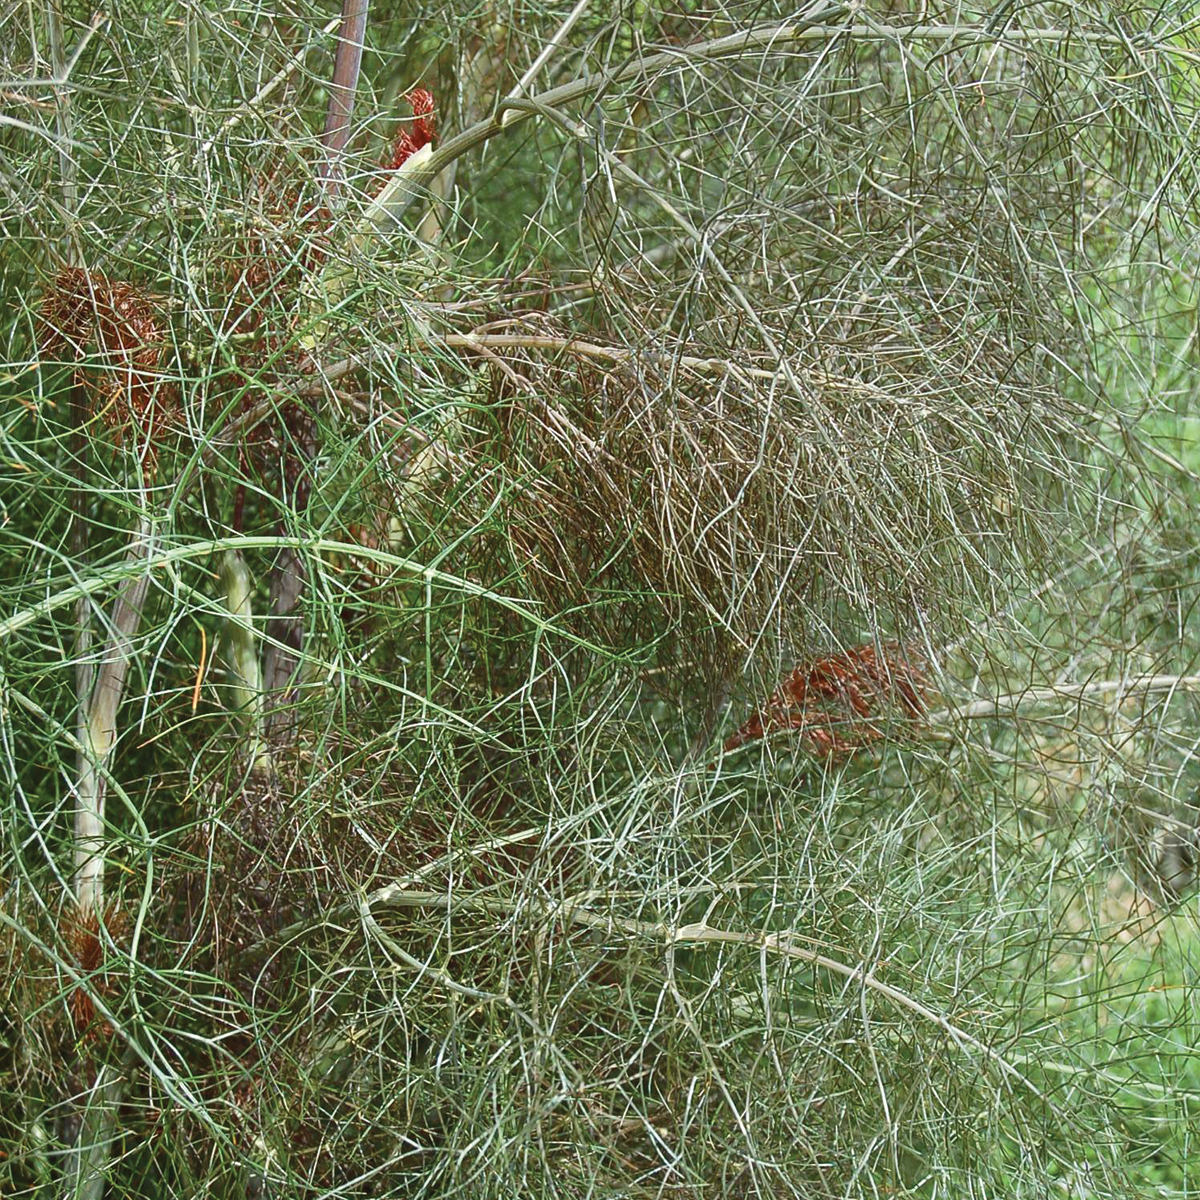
x=86, y=315
x=842, y=703
x=83, y=934
x=419, y=134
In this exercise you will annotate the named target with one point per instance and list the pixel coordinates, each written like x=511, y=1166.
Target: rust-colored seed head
x=117, y=320
x=838, y=703
x=66, y=314
x=421, y=133
x=81, y=933
x=421, y=101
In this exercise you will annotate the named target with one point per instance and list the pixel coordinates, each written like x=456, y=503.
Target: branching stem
x=813, y=26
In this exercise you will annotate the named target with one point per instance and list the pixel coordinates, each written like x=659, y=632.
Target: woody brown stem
x=285, y=628
x=346, y=67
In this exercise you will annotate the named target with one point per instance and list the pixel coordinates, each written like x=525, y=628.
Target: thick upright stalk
x=93, y=1119
x=288, y=579
x=85, y=669
x=98, y=727
x=346, y=67
x=285, y=629
x=242, y=648
x=68, y=174
x=90, y=1152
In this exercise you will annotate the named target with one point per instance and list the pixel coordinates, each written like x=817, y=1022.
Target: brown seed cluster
x=114, y=325
x=82, y=936
x=841, y=703
x=421, y=133
x=262, y=276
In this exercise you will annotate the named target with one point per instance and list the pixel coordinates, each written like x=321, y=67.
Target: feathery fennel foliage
x=389, y=552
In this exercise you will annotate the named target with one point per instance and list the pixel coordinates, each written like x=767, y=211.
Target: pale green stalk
x=98, y=728
x=246, y=692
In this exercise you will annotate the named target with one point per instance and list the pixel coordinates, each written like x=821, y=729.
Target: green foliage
x=728, y=338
